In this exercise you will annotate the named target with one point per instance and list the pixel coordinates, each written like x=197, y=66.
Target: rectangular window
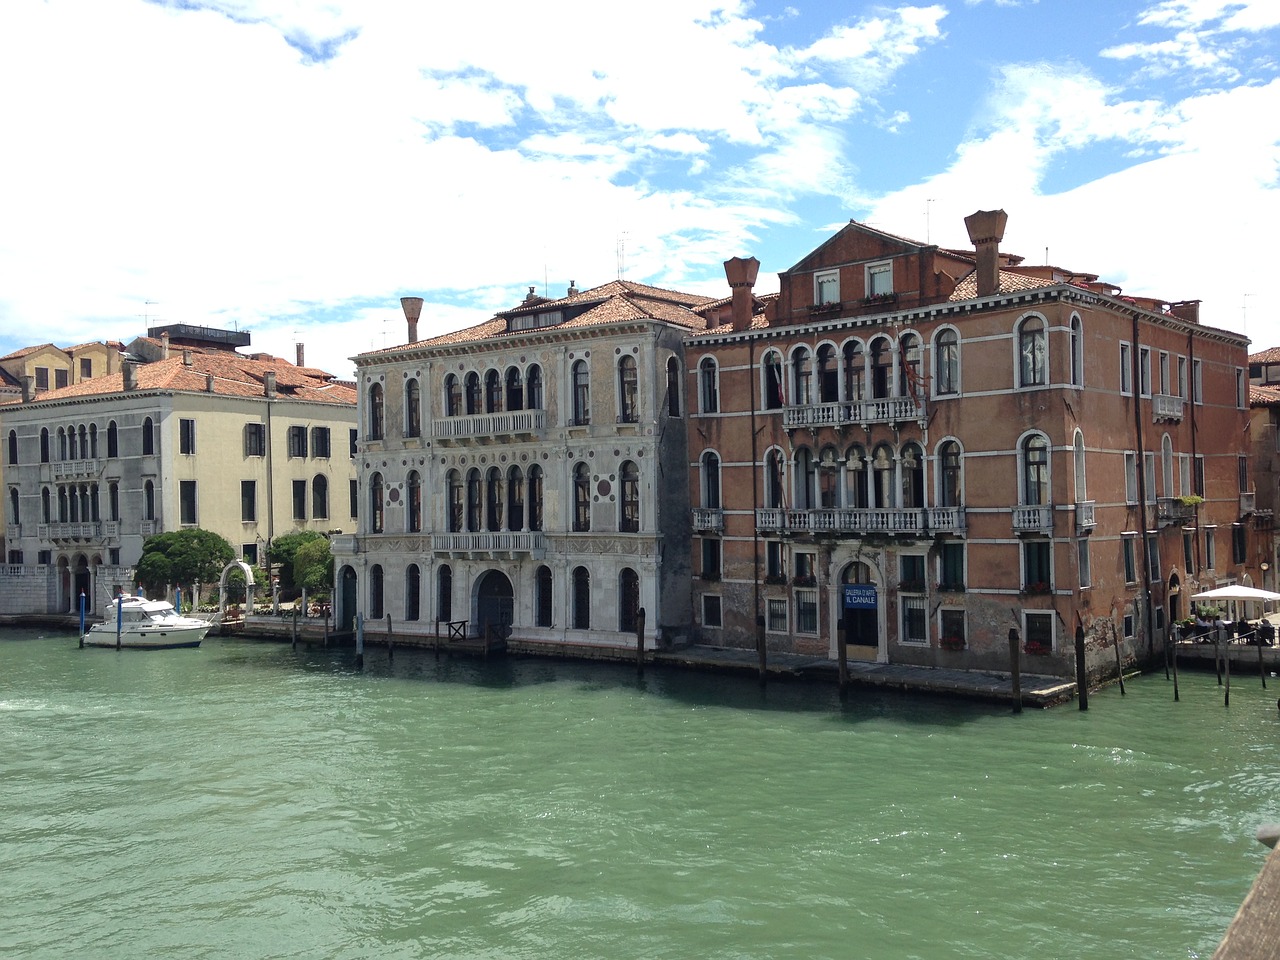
x=45, y=557
x=911, y=572
x=1210, y=548
x=1242, y=389
x=776, y=616
x=255, y=439
x=1086, y=574
x=187, y=502
x=1128, y=626
x=320, y=442
x=15, y=557
x=86, y=368
x=774, y=569
x=1239, y=543
x=1189, y=551
x=951, y=629
x=1153, y=557
x=1130, y=476
x=710, y=558
x=807, y=611
x=1199, y=474
x=186, y=436
x=951, y=565
x=1182, y=377
x=1184, y=474
x=1242, y=473
x=879, y=279
x=61, y=378
x=248, y=500
x=355, y=498
x=805, y=570
x=1197, y=381
x=1130, y=567
x=1149, y=475
x=826, y=287
x=352, y=436
x=1144, y=371
x=1038, y=632
x=1037, y=575
x=42, y=378
x=711, y=611
x=1164, y=373
x=297, y=441
x=299, y=499
x=1126, y=369
x=913, y=620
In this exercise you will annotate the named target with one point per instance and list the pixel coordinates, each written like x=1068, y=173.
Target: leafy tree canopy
x=313, y=566
x=183, y=556
x=284, y=548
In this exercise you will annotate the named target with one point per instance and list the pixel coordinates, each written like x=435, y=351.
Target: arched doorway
x=64, y=586
x=494, y=604
x=346, y=621
x=1175, y=599
x=81, y=584
x=862, y=623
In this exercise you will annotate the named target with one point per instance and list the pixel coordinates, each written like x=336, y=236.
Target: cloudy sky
x=292, y=168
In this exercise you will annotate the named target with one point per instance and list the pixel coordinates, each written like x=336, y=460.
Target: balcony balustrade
x=149, y=528
x=12, y=531
x=708, y=519
x=1166, y=407
x=855, y=521
x=507, y=543
x=1248, y=503
x=843, y=412
x=488, y=427
x=72, y=469
x=81, y=530
x=1085, y=519
x=1171, y=510
x=1033, y=519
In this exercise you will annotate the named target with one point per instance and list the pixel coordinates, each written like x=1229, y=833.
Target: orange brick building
x=988, y=445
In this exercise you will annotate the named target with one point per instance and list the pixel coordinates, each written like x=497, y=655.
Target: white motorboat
x=145, y=625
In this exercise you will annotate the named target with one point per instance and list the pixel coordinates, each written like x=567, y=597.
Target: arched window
x=711, y=480
x=806, y=480
x=376, y=412
x=493, y=499
x=1166, y=465
x=629, y=518
x=673, y=387
x=46, y=505
x=1033, y=353
x=533, y=387
x=412, y=408
x=452, y=396
x=475, y=501
x=854, y=370
x=535, y=497
x=515, y=499
x=881, y=367
x=515, y=389
x=949, y=490
x=773, y=487
x=412, y=592
x=93, y=441
x=855, y=478
x=457, y=502
x=909, y=382
x=771, y=381
x=148, y=501
x=1077, y=351
x=492, y=392
x=113, y=499
x=828, y=478
x=1035, y=471
x=44, y=443
x=62, y=442
x=581, y=498
x=64, y=508
x=14, y=516
x=828, y=374
x=882, y=477
x=542, y=597
x=148, y=437
x=376, y=499
x=320, y=497
x=444, y=593
x=708, y=386
x=413, y=502
x=946, y=363
x=628, y=390
x=84, y=443
x=13, y=448
x=628, y=600
x=580, y=377
x=801, y=377
x=376, y=610
x=68, y=443
x=474, y=398
x=581, y=599
x=1082, y=490
x=911, y=471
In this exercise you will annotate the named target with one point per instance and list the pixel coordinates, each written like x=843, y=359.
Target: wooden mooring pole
x=1082, y=671
x=295, y=627
x=760, y=649
x=1175, y=673
x=1226, y=668
x=360, y=641
x=1119, y=666
x=391, y=643
x=1262, y=667
x=1015, y=670
x=640, y=642
x=842, y=649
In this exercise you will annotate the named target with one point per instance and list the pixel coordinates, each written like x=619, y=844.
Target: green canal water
x=247, y=801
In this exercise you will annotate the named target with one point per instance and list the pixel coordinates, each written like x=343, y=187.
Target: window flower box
x=880, y=299
x=911, y=586
x=951, y=588
x=1039, y=587
x=775, y=580
x=1037, y=648
x=951, y=643
x=807, y=581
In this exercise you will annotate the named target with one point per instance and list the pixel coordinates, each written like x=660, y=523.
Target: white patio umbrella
x=1236, y=592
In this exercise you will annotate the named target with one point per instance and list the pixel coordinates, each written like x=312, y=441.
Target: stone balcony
x=708, y=520
x=1171, y=511
x=1167, y=407
x=1085, y=516
x=845, y=412
x=76, y=469
x=84, y=530
x=491, y=544
x=490, y=427
x=1032, y=519
x=1248, y=503
x=849, y=521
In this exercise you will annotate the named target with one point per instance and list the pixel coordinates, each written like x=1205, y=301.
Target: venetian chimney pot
x=269, y=384
x=741, y=274
x=129, y=371
x=986, y=230
x=301, y=351
x=412, y=307
x=186, y=356
x=164, y=345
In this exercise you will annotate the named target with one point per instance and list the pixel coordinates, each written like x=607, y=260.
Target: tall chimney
x=301, y=350
x=28, y=389
x=130, y=372
x=741, y=275
x=186, y=355
x=412, y=307
x=269, y=384
x=208, y=383
x=986, y=230
x=1188, y=310
x=164, y=345
x=573, y=288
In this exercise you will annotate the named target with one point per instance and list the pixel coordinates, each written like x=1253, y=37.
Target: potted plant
x=1037, y=648
x=1038, y=586
x=951, y=642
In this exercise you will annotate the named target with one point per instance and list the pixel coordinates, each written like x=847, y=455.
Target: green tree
x=284, y=549
x=313, y=567
x=182, y=557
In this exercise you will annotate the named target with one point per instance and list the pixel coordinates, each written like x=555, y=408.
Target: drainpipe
x=1148, y=613
x=1195, y=435
x=755, y=503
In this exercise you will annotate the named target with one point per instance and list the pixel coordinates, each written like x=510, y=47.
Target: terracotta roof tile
x=1270, y=355
x=1260, y=396
x=967, y=287
x=26, y=351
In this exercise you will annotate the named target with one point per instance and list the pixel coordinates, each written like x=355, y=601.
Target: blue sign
x=859, y=596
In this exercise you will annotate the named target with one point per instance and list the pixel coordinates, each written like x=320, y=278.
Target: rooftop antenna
x=622, y=254
x=927, y=237
x=1046, y=256
x=146, y=314
x=1244, y=311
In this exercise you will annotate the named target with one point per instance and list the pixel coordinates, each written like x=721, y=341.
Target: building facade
x=525, y=477
x=984, y=445
x=249, y=449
